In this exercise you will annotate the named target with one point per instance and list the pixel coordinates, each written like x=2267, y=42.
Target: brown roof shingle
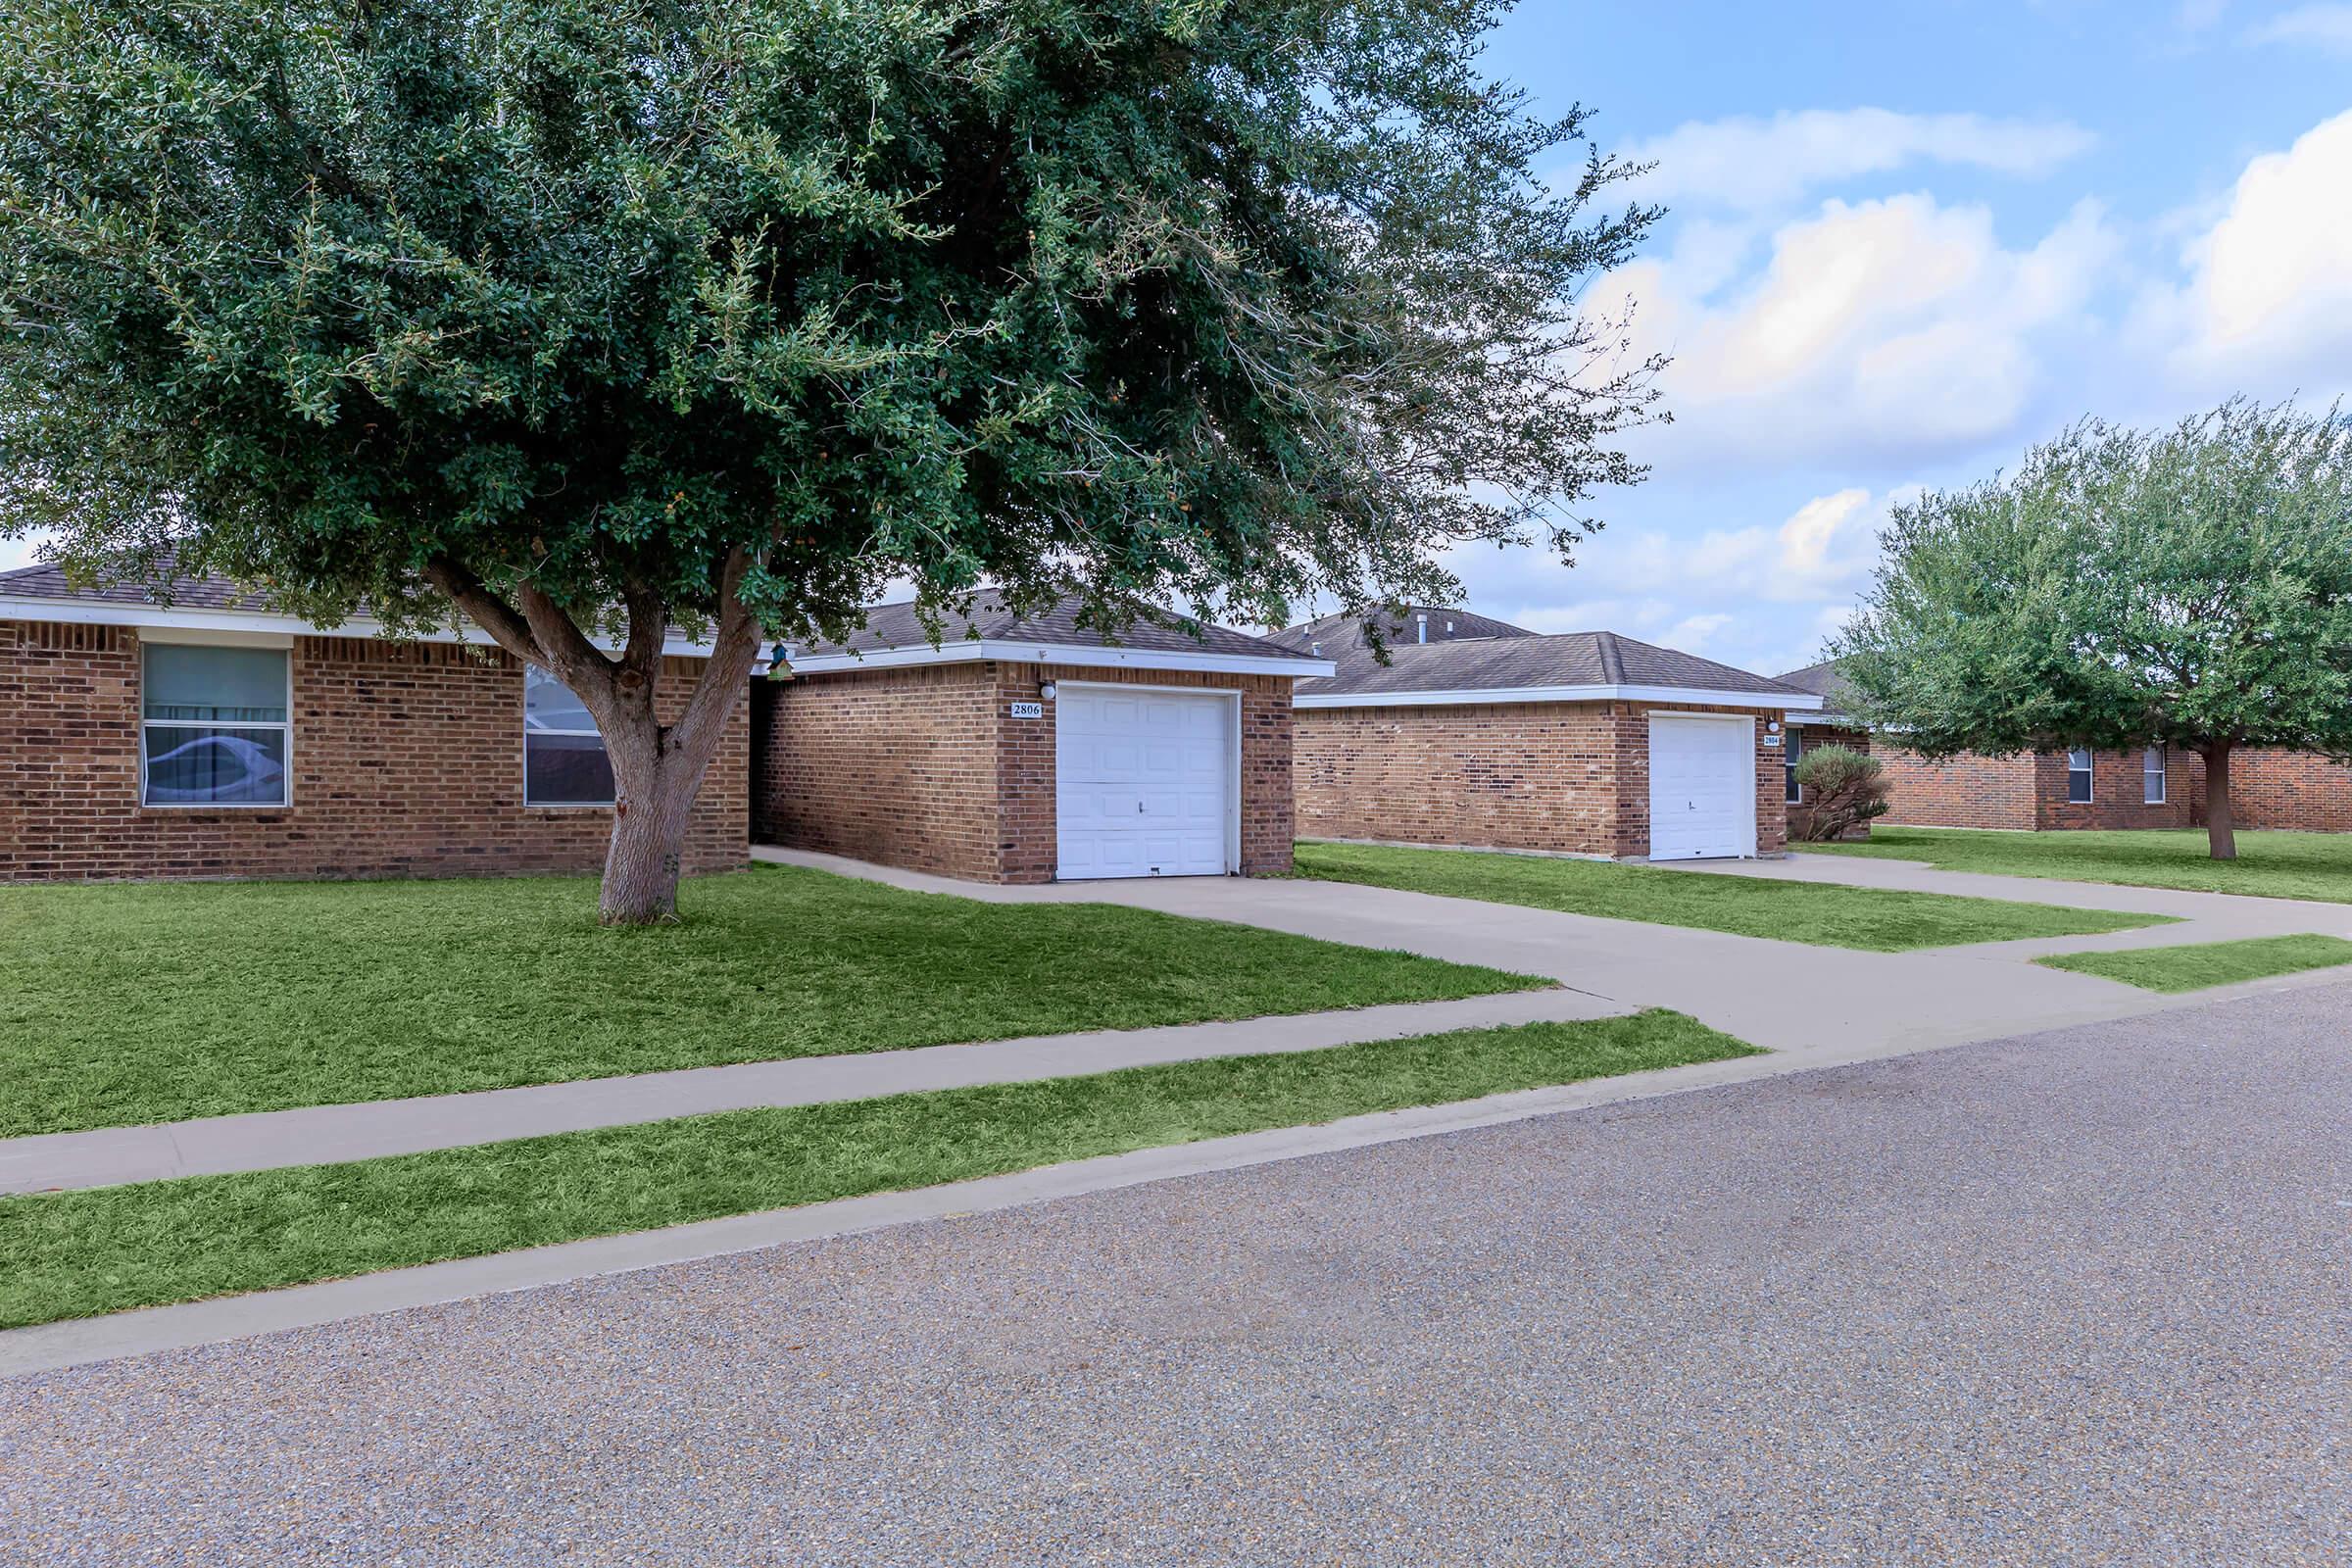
x=1528, y=662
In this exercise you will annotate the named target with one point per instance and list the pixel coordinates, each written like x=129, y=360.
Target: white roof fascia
x=970, y=650
x=1793, y=702
x=177, y=618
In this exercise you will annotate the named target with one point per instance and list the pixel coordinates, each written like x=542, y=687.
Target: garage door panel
x=1702, y=788
x=1144, y=784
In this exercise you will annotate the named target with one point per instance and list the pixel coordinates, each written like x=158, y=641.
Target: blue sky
x=1905, y=240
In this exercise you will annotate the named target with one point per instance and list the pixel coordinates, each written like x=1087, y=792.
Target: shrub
x=1844, y=789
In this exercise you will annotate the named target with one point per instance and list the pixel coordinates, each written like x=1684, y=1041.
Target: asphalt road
x=2081, y=1298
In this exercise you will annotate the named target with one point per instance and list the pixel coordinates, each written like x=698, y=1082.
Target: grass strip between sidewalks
x=2198, y=965
x=77, y=1254
x=1824, y=914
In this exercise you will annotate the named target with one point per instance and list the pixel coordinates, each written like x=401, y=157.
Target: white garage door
x=1143, y=782
x=1702, y=787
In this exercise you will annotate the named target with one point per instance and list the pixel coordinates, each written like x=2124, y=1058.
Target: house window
x=213, y=725
x=564, y=761
x=2078, y=777
x=1789, y=757
x=2151, y=774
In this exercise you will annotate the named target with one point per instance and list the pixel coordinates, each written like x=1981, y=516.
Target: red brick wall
x=893, y=765
x=2028, y=791
x=1965, y=791
x=1815, y=738
x=1567, y=778
x=1505, y=775
x=407, y=761
x=925, y=768
x=2277, y=789
x=2117, y=790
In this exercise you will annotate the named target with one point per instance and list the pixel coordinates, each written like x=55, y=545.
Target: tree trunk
x=2221, y=826
x=657, y=773
x=651, y=815
x=656, y=768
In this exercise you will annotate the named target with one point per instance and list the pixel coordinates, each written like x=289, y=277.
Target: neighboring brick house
x=2143, y=787
x=213, y=737
x=1478, y=733
x=1031, y=749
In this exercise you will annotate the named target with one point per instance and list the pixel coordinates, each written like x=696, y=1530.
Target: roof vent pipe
x=1420, y=627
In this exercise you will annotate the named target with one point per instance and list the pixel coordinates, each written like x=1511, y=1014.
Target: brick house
x=213, y=737
x=1483, y=734
x=2143, y=787
x=1031, y=749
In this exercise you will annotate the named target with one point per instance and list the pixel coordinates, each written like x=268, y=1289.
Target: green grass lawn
x=1870, y=918
x=2200, y=964
x=2268, y=865
x=155, y=1002
x=72, y=1255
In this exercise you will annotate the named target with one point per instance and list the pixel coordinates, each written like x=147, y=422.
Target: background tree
x=2190, y=587
x=588, y=316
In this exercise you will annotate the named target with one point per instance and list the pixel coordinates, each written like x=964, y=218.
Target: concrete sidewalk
x=329, y=1134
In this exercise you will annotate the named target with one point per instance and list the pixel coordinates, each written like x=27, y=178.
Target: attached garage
x=1031, y=749
x=1702, y=786
x=1478, y=734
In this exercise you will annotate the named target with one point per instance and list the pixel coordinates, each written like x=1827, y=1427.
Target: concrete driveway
x=2070, y=1299
x=1814, y=1003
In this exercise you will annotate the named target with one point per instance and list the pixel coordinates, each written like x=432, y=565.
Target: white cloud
x=2269, y=290
x=1893, y=329
x=2199, y=16
x=1822, y=550
x=2325, y=26
x=1755, y=165
x=1760, y=597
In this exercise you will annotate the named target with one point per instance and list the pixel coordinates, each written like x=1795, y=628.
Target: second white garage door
x=1702, y=787
x=1143, y=781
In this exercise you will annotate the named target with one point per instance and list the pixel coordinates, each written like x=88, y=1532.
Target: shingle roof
x=1825, y=682
x=896, y=625
x=1333, y=632
x=48, y=581
x=1524, y=662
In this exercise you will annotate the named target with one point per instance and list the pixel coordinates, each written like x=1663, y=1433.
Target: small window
x=2078, y=777
x=213, y=725
x=1789, y=758
x=2151, y=774
x=564, y=761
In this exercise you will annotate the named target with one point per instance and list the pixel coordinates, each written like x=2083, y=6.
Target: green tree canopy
x=2188, y=587
x=587, y=316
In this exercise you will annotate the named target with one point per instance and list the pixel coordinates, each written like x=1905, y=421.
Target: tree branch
x=485, y=608
x=734, y=646
x=568, y=651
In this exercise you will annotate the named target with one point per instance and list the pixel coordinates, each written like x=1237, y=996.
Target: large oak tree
x=2188, y=587
x=589, y=317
